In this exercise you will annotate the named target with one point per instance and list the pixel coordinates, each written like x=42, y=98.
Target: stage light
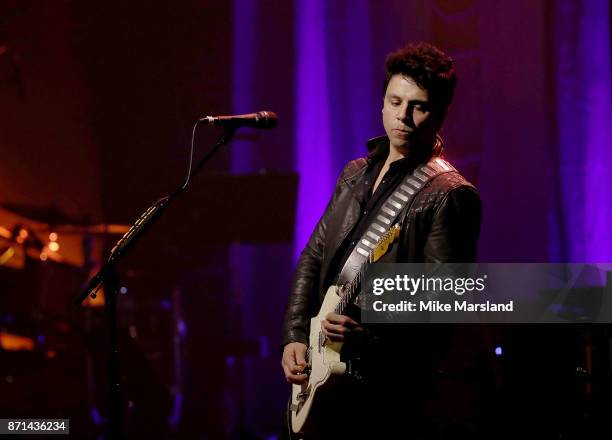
x=43, y=256
x=54, y=246
x=499, y=351
x=53, y=236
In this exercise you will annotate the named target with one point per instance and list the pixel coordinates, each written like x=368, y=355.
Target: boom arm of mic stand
x=108, y=277
x=143, y=223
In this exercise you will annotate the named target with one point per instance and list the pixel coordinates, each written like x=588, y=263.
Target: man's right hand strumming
x=294, y=362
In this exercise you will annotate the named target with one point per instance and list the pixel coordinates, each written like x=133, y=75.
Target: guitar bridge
x=303, y=395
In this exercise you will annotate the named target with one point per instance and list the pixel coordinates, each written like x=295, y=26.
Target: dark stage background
x=97, y=102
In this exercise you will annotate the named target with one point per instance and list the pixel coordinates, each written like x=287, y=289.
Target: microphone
x=263, y=119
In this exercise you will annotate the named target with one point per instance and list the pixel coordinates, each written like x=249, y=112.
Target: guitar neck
x=349, y=291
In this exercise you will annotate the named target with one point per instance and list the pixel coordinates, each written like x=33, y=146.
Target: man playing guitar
x=395, y=367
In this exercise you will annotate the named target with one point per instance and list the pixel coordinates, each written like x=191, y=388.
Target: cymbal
x=50, y=214
x=99, y=229
x=57, y=221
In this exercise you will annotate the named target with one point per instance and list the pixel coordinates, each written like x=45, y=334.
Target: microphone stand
x=109, y=278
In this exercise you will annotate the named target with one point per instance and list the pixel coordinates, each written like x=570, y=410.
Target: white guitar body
x=324, y=363
x=323, y=356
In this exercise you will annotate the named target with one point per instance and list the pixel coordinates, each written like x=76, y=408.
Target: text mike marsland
x=263, y=119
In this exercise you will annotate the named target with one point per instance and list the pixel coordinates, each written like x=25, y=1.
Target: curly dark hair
x=429, y=67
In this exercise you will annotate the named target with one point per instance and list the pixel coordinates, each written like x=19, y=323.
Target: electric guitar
x=323, y=356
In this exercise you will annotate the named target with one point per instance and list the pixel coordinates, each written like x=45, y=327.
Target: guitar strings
x=350, y=288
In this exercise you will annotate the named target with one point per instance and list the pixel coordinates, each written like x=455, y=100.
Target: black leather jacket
x=444, y=225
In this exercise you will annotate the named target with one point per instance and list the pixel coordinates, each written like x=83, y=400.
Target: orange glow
x=43, y=256
x=53, y=236
x=6, y=255
x=11, y=342
x=98, y=301
x=54, y=246
x=51, y=354
x=21, y=236
x=5, y=233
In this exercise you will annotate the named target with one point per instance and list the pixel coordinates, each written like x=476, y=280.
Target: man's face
x=407, y=115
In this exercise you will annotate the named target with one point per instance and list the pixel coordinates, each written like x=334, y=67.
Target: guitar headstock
x=382, y=246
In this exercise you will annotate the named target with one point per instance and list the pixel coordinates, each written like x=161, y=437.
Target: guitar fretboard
x=349, y=291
